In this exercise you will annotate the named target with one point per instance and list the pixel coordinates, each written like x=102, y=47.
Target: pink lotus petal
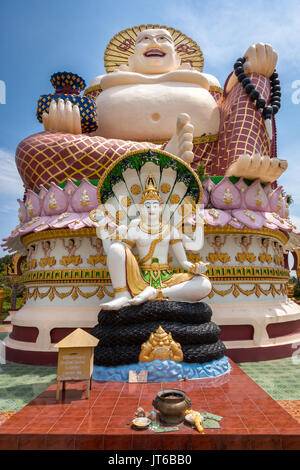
x=255, y=197
x=216, y=217
x=63, y=220
x=55, y=201
x=275, y=219
x=84, y=198
x=225, y=195
x=251, y=219
x=32, y=204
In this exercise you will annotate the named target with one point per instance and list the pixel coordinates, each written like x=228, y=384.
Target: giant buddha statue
x=156, y=95
x=156, y=132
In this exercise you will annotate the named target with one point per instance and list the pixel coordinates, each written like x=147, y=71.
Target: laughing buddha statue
x=157, y=97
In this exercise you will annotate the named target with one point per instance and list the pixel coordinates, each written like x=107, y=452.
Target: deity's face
x=70, y=243
x=265, y=243
x=98, y=243
x=218, y=241
x=154, y=53
x=244, y=241
x=151, y=211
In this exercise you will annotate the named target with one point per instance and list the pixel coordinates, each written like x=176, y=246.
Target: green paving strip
x=20, y=383
x=279, y=378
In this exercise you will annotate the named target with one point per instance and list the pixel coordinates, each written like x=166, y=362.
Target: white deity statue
x=152, y=277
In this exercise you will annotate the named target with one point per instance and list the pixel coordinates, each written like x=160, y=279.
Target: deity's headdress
x=150, y=191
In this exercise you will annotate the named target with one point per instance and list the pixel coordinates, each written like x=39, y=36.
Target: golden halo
x=121, y=46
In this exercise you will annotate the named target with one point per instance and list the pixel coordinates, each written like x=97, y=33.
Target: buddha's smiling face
x=154, y=53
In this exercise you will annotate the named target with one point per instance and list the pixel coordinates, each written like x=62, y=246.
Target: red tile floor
x=251, y=418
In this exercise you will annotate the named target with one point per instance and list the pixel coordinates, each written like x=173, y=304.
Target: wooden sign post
x=75, y=359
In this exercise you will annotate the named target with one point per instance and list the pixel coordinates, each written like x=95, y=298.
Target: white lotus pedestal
x=248, y=299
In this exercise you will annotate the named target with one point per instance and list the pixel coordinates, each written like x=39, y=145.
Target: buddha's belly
x=149, y=111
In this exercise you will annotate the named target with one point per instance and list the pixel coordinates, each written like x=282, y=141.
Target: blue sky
x=38, y=38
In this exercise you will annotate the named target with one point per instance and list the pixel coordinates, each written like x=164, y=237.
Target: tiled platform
x=252, y=419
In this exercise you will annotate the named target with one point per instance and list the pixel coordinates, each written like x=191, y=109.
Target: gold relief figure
x=52, y=201
x=278, y=256
x=258, y=199
x=265, y=257
x=194, y=257
x=281, y=257
x=227, y=198
x=160, y=346
x=71, y=248
x=245, y=244
x=47, y=260
x=84, y=198
x=29, y=206
x=217, y=245
x=279, y=203
x=31, y=262
x=99, y=257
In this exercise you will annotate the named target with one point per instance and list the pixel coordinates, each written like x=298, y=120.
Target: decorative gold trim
x=74, y=292
x=58, y=233
x=202, y=139
x=128, y=242
x=59, y=276
x=251, y=273
x=91, y=89
x=118, y=290
x=175, y=240
x=227, y=229
x=101, y=276
x=257, y=289
x=121, y=47
x=216, y=88
x=155, y=267
x=205, y=139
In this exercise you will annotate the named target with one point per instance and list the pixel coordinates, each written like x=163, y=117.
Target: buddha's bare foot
x=62, y=117
x=257, y=166
x=181, y=144
x=145, y=295
x=115, y=304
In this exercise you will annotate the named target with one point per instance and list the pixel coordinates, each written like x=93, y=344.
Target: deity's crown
x=150, y=191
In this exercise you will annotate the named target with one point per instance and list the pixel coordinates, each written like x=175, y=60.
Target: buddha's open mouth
x=154, y=53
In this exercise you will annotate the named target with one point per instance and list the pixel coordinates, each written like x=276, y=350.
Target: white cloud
x=224, y=30
x=11, y=186
x=296, y=220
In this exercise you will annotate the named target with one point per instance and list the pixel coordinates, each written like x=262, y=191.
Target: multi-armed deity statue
x=172, y=180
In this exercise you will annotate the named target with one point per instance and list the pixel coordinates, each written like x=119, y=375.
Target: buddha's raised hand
x=260, y=58
x=62, y=117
